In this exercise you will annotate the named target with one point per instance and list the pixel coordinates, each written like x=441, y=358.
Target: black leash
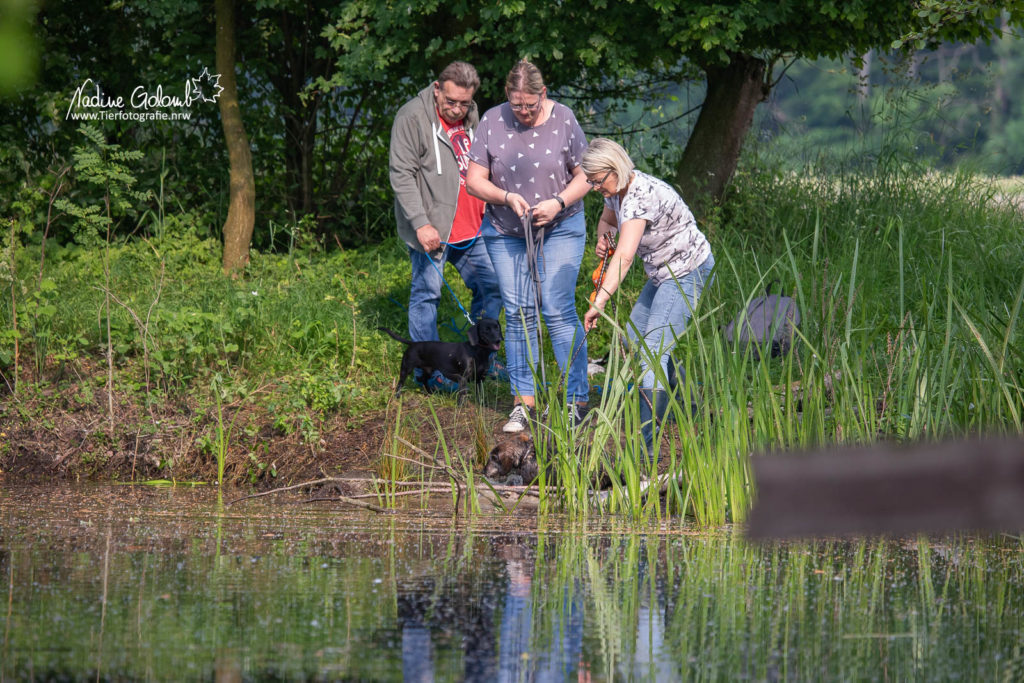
x=533, y=250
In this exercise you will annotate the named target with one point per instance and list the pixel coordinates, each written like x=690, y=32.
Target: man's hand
x=428, y=238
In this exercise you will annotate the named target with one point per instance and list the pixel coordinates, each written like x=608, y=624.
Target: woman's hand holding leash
x=605, y=249
x=515, y=201
x=545, y=211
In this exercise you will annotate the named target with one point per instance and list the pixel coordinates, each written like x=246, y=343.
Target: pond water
x=116, y=583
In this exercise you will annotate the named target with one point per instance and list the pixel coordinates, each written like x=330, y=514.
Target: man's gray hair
x=461, y=74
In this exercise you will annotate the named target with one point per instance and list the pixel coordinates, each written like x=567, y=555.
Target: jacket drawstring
x=436, y=130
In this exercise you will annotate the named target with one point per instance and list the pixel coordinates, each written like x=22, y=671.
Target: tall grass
x=910, y=331
x=910, y=287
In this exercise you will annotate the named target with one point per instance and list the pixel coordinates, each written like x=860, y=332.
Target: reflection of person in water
x=521, y=653
x=463, y=608
x=438, y=609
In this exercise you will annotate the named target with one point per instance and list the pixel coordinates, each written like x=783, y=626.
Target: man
x=437, y=219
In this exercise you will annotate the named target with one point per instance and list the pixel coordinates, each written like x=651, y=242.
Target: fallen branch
x=346, y=500
x=325, y=480
x=459, y=481
x=416, y=492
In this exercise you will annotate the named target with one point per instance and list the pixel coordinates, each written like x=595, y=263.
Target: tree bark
x=298, y=55
x=733, y=92
x=242, y=203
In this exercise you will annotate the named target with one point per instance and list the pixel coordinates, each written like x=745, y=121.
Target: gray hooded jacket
x=423, y=168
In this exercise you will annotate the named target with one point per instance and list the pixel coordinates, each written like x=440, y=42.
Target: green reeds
x=717, y=608
x=939, y=373
x=221, y=439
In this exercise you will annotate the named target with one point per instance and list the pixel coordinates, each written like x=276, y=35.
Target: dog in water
x=459, y=361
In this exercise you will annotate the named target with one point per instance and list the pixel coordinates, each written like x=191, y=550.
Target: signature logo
x=90, y=102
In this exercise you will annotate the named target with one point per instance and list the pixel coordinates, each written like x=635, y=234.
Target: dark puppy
x=513, y=461
x=459, y=361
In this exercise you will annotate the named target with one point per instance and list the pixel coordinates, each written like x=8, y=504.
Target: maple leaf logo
x=206, y=81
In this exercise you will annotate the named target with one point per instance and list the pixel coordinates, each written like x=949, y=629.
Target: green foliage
x=321, y=82
x=967, y=19
x=104, y=167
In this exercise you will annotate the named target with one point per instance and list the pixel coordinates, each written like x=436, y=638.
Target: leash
x=532, y=250
x=597, y=277
x=441, y=275
x=450, y=323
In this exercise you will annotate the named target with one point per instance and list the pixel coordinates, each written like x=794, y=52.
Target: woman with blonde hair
x=652, y=221
x=525, y=163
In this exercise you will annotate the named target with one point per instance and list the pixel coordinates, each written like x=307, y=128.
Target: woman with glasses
x=525, y=163
x=652, y=221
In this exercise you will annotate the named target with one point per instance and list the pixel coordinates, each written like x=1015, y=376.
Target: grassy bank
x=910, y=289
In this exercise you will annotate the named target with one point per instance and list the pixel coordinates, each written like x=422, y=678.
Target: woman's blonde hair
x=605, y=155
x=525, y=78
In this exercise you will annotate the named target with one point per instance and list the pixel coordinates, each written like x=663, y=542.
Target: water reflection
x=116, y=583
x=497, y=636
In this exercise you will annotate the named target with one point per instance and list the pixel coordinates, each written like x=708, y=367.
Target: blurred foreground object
x=975, y=485
x=19, y=52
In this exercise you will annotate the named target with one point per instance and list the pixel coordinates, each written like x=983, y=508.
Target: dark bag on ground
x=769, y=323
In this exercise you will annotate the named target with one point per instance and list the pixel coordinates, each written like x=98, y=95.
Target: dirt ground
x=68, y=437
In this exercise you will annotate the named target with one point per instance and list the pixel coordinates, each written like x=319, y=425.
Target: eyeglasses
x=599, y=183
x=449, y=102
x=525, y=107
x=457, y=104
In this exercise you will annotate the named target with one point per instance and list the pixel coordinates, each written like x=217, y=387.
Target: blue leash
x=450, y=324
x=441, y=275
x=466, y=244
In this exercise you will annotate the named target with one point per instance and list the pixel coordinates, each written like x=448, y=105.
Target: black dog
x=459, y=361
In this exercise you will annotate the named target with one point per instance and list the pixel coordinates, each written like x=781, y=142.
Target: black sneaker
x=518, y=419
x=575, y=414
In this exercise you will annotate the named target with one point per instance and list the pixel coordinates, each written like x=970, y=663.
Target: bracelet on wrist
x=506, y=197
x=560, y=201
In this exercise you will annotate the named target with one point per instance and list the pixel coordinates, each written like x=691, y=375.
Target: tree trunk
x=300, y=138
x=242, y=204
x=297, y=54
x=713, y=150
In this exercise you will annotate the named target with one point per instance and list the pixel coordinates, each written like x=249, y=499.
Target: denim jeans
x=559, y=268
x=473, y=264
x=660, y=316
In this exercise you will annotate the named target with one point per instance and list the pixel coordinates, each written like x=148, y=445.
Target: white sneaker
x=518, y=419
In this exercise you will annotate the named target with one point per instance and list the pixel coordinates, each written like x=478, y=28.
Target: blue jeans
x=473, y=264
x=660, y=316
x=559, y=268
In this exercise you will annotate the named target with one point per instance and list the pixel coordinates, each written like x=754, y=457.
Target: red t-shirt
x=469, y=210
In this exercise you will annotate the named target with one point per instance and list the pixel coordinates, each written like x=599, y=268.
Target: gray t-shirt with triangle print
x=535, y=162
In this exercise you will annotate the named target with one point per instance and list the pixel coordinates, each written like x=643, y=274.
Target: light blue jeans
x=660, y=317
x=559, y=268
x=473, y=264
